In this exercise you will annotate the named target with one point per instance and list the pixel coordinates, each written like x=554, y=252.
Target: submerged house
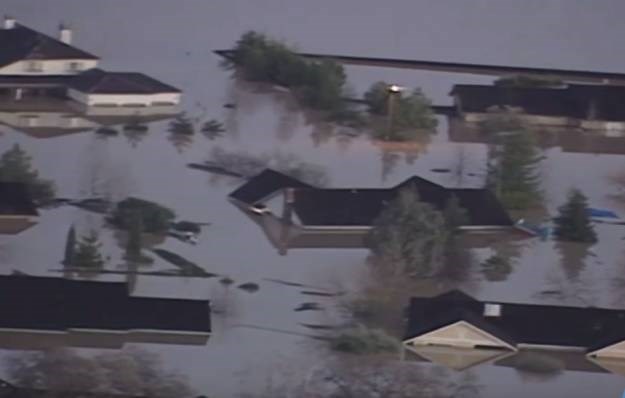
x=589, y=107
x=93, y=314
x=35, y=64
x=457, y=320
x=17, y=210
x=312, y=217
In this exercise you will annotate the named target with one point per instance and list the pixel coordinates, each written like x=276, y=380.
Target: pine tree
x=88, y=252
x=15, y=166
x=513, y=174
x=70, y=248
x=573, y=222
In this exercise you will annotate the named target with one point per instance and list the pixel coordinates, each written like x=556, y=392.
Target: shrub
x=154, y=217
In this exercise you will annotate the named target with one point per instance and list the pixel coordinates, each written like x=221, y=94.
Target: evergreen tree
x=15, y=166
x=134, y=243
x=496, y=268
x=88, y=252
x=70, y=248
x=409, y=236
x=512, y=174
x=573, y=222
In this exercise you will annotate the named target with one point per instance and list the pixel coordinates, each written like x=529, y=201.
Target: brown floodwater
x=258, y=334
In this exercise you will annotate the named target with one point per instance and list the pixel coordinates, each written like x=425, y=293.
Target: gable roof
x=23, y=43
x=93, y=305
x=263, y=185
x=98, y=81
x=519, y=323
x=360, y=207
x=15, y=199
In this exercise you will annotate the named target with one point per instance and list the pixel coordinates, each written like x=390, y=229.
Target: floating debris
x=107, y=131
x=318, y=327
x=322, y=294
x=211, y=168
x=249, y=287
x=440, y=170
x=187, y=267
x=226, y=281
x=230, y=106
x=135, y=126
x=308, y=307
x=189, y=226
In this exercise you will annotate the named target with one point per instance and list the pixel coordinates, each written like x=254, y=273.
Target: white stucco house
x=35, y=64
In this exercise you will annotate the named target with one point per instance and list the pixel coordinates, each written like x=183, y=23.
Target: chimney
x=492, y=310
x=9, y=22
x=65, y=34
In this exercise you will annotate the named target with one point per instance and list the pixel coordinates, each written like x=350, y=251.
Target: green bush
x=154, y=217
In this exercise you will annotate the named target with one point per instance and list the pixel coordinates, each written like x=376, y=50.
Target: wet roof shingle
x=57, y=304
x=23, y=43
x=15, y=199
x=98, y=81
x=586, y=327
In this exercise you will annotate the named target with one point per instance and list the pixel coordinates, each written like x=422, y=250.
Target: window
x=34, y=66
x=74, y=66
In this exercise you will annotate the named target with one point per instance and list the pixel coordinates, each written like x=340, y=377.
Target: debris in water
x=440, y=170
x=230, y=106
x=308, y=307
x=249, y=287
x=322, y=294
x=318, y=327
x=226, y=281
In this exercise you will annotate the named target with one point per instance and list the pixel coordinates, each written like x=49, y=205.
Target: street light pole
x=392, y=91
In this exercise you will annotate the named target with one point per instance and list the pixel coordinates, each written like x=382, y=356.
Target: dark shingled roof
x=23, y=43
x=588, y=327
x=574, y=101
x=97, y=81
x=263, y=185
x=41, y=303
x=15, y=200
x=360, y=207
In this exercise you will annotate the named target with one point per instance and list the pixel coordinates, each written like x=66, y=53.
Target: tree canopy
x=573, y=222
x=154, y=217
x=15, y=166
x=87, y=253
x=409, y=236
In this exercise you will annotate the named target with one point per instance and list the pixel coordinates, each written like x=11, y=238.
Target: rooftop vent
x=9, y=22
x=492, y=310
x=65, y=33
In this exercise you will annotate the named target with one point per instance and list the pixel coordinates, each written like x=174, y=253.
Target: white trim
x=595, y=353
x=40, y=331
x=91, y=330
x=110, y=331
x=413, y=340
x=169, y=332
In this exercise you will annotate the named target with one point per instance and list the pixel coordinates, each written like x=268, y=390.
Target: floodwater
x=259, y=334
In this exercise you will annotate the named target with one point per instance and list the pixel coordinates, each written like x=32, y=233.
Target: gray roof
x=23, y=43
x=98, y=81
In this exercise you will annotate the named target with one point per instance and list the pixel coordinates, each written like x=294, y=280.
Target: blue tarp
x=602, y=213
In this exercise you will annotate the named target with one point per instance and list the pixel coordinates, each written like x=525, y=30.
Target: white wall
x=61, y=120
x=49, y=67
x=123, y=99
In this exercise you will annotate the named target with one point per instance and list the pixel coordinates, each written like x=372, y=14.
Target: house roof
x=93, y=305
x=23, y=43
x=98, y=81
x=264, y=184
x=15, y=200
x=573, y=101
x=360, y=207
x=520, y=323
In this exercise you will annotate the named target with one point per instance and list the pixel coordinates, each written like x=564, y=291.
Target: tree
x=88, y=252
x=154, y=217
x=409, y=236
x=573, y=222
x=70, y=248
x=512, y=170
x=454, y=215
x=528, y=81
x=132, y=372
x=377, y=98
x=496, y=268
x=15, y=166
